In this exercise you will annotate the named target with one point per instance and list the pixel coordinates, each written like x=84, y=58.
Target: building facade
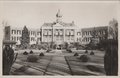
x=15, y=33
x=96, y=33
x=59, y=31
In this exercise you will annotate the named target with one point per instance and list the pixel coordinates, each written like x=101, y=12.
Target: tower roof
x=58, y=15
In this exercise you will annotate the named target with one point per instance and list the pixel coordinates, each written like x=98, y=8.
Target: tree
x=76, y=44
x=113, y=30
x=93, y=42
x=25, y=39
x=66, y=45
x=111, y=46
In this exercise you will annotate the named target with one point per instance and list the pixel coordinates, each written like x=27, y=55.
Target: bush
x=31, y=52
x=21, y=69
x=32, y=58
x=92, y=53
x=41, y=54
x=84, y=58
x=25, y=53
x=48, y=50
x=76, y=54
x=86, y=51
x=94, y=68
x=69, y=50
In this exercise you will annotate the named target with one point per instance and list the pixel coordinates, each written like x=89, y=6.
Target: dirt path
x=58, y=65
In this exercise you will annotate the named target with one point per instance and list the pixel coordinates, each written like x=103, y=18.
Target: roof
x=95, y=28
x=61, y=23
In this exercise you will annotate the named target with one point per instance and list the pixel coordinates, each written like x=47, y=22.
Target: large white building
x=57, y=32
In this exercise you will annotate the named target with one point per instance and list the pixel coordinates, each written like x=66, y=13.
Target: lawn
x=59, y=63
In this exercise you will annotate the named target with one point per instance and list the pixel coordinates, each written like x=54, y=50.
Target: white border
x=46, y=1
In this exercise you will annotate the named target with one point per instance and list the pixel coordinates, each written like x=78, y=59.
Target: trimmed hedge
x=31, y=52
x=41, y=54
x=84, y=58
x=48, y=50
x=76, y=54
x=86, y=51
x=32, y=58
x=92, y=53
x=21, y=69
x=69, y=50
x=25, y=53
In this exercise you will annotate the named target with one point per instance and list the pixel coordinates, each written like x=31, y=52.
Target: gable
x=58, y=25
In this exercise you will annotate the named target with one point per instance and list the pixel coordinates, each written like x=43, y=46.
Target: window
x=79, y=39
x=50, y=32
x=72, y=32
x=17, y=31
x=56, y=32
x=20, y=32
x=67, y=32
x=12, y=31
x=32, y=39
x=85, y=33
x=61, y=33
x=45, y=32
x=17, y=38
x=79, y=33
x=38, y=33
x=33, y=32
x=14, y=38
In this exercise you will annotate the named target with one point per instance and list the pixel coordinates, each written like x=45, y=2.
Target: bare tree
x=113, y=29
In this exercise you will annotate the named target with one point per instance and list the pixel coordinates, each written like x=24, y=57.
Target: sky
x=35, y=14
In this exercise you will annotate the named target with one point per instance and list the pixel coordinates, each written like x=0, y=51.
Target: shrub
x=48, y=50
x=84, y=58
x=21, y=69
x=32, y=58
x=86, y=51
x=92, y=53
x=69, y=50
x=76, y=54
x=25, y=53
x=94, y=68
x=41, y=54
x=31, y=52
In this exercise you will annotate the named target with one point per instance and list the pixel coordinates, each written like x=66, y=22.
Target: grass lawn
x=63, y=63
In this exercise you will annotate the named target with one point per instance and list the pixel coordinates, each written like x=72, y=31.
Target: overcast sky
x=34, y=14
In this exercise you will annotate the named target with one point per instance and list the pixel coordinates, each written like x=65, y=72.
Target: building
x=59, y=31
x=15, y=33
x=96, y=33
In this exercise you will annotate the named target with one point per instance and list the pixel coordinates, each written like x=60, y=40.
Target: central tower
x=58, y=16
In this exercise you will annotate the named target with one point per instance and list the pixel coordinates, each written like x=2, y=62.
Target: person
x=8, y=56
